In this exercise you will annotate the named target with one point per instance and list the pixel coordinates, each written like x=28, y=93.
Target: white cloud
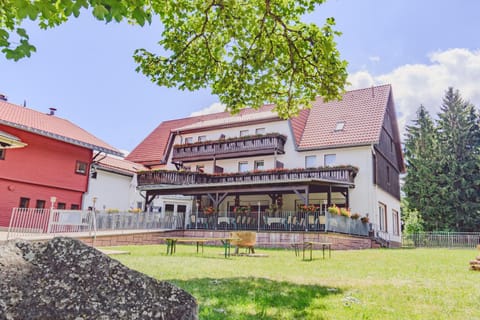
x=374, y=58
x=426, y=84
x=213, y=108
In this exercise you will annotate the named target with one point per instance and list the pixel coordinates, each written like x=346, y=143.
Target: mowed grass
x=364, y=284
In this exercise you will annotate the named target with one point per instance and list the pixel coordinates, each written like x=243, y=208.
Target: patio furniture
x=244, y=239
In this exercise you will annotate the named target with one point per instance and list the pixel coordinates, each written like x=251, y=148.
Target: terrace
x=267, y=144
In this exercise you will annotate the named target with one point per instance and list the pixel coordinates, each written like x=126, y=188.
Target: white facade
x=365, y=198
x=113, y=191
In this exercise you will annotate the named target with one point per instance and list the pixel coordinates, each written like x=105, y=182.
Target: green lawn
x=366, y=284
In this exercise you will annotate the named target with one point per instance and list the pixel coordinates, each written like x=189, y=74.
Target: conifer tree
x=420, y=188
x=458, y=138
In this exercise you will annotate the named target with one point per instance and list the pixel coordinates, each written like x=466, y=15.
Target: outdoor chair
x=246, y=239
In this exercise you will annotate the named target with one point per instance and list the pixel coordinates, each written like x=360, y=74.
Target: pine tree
x=421, y=155
x=458, y=137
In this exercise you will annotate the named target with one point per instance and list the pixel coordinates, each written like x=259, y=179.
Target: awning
x=9, y=141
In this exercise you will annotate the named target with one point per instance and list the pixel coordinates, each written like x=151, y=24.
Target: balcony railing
x=230, y=148
x=161, y=177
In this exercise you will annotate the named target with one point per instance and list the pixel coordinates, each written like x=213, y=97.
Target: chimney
x=3, y=97
x=52, y=111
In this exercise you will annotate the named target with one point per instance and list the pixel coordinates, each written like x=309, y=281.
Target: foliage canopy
x=247, y=52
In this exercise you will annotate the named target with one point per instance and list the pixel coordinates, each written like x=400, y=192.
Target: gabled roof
x=51, y=126
x=361, y=112
x=120, y=165
x=153, y=149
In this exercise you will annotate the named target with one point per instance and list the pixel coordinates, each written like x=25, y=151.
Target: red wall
x=42, y=169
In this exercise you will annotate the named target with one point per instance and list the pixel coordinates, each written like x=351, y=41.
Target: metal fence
x=29, y=222
x=278, y=221
x=442, y=239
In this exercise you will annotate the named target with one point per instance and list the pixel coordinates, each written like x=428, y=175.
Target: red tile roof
x=120, y=165
x=51, y=126
x=362, y=112
x=151, y=150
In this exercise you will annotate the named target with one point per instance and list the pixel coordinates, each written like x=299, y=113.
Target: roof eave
x=338, y=146
x=62, y=138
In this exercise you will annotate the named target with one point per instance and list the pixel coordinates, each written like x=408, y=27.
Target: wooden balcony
x=257, y=145
x=344, y=175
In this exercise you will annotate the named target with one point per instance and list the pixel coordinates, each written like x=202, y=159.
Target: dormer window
x=340, y=125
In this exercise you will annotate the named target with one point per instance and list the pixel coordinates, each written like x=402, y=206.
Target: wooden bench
x=308, y=245
x=172, y=243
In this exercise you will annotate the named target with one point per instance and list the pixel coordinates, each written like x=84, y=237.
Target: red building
x=43, y=156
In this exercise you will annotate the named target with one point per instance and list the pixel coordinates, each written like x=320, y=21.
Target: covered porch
x=276, y=200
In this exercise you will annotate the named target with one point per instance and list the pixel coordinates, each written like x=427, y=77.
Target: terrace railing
x=278, y=221
x=442, y=239
x=340, y=174
x=230, y=148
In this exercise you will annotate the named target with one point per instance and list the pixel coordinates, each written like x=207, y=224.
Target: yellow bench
x=244, y=239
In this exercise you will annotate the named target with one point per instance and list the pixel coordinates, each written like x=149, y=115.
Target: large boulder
x=66, y=279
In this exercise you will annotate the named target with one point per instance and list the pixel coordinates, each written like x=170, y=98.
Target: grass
x=366, y=284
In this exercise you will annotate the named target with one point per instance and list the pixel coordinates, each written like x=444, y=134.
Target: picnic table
x=308, y=245
x=172, y=243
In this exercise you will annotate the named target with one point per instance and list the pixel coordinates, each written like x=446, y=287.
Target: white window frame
x=202, y=138
x=309, y=163
x=260, y=131
x=382, y=216
x=256, y=163
x=396, y=222
x=327, y=159
x=188, y=140
x=244, y=133
x=243, y=166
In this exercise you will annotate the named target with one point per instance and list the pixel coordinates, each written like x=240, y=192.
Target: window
x=242, y=166
x=188, y=139
x=74, y=207
x=24, y=203
x=243, y=133
x=388, y=174
x=329, y=159
x=40, y=204
x=202, y=138
x=310, y=161
x=61, y=206
x=2, y=154
x=396, y=222
x=259, y=165
x=200, y=168
x=382, y=216
x=81, y=167
x=340, y=125
x=260, y=131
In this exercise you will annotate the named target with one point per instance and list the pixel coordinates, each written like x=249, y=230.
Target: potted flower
x=334, y=210
x=345, y=212
x=241, y=210
x=364, y=219
x=355, y=216
x=209, y=210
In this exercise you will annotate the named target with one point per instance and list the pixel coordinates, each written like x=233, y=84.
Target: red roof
x=51, y=126
x=362, y=112
x=120, y=165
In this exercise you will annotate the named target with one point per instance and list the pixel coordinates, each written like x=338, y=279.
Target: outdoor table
x=309, y=245
x=172, y=243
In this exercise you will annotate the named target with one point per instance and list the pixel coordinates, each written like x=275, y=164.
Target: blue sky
x=85, y=69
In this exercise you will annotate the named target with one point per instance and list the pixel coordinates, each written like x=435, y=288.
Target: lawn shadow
x=254, y=298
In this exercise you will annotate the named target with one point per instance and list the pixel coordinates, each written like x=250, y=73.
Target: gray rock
x=66, y=279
